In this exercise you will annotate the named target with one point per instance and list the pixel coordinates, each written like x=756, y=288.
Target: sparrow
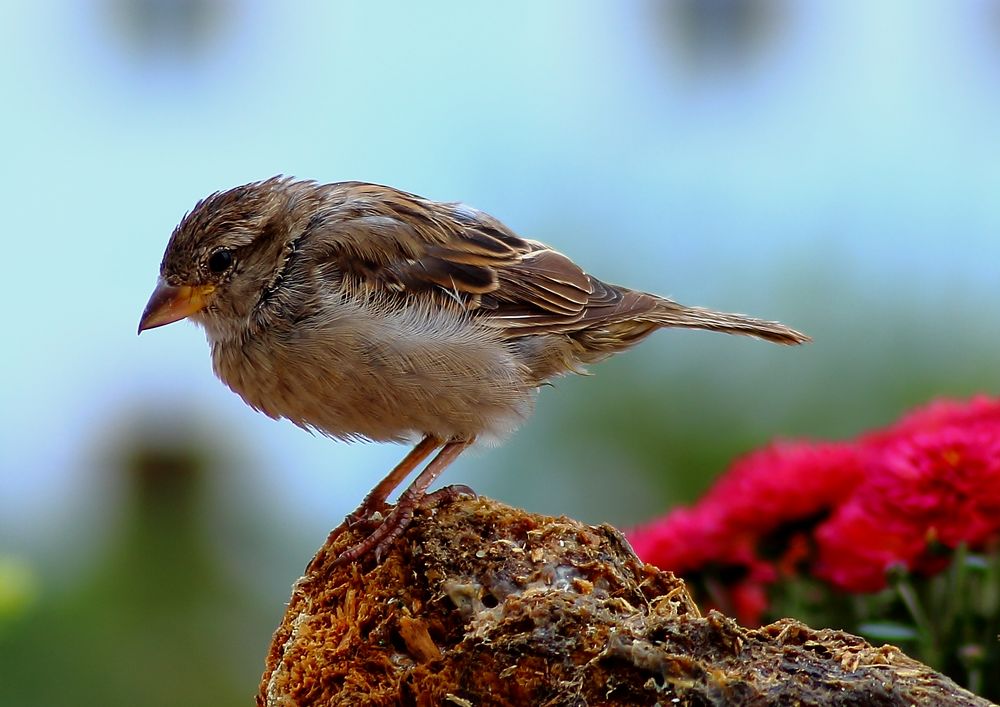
x=368, y=313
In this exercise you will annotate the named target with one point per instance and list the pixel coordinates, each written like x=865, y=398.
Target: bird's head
x=225, y=255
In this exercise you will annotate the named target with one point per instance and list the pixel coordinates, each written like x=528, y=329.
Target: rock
x=482, y=604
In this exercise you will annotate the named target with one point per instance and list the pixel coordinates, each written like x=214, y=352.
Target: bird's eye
x=220, y=261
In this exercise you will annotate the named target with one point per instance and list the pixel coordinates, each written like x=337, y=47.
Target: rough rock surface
x=482, y=604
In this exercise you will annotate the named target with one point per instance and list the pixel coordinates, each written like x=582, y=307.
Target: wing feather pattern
x=392, y=241
x=398, y=244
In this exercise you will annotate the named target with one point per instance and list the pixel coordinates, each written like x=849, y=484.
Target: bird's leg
x=400, y=516
x=378, y=495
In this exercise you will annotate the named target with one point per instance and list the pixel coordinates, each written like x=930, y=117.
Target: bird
x=364, y=312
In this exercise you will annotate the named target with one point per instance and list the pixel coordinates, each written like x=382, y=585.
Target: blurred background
x=832, y=165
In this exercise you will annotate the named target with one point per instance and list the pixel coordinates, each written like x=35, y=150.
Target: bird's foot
x=393, y=525
x=446, y=494
x=362, y=518
x=397, y=521
x=386, y=533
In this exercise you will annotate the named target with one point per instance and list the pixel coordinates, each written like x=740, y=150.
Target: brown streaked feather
x=453, y=276
x=668, y=313
x=605, y=304
x=548, y=280
x=381, y=222
x=387, y=240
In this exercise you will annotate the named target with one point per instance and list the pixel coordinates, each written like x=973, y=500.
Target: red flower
x=694, y=542
x=976, y=412
x=784, y=482
x=932, y=484
x=931, y=480
x=717, y=540
x=749, y=602
x=857, y=548
x=686, y=540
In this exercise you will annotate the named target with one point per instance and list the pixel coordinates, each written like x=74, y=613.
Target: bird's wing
x=389, y=241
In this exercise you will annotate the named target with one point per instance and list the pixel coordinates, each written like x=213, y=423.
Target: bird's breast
x=364, y=371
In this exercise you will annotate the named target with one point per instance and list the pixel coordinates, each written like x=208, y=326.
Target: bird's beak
x=170, y=304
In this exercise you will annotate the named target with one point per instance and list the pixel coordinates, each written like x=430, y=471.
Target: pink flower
x=784, y=482
x=686, y=540
x=695, y=543
x=930, y=484
x=893, y=498
x=978, y=411
x=749, y=602
x=857, y=549
x=716, y=542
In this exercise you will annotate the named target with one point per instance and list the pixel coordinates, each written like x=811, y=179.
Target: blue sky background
x=840, y=172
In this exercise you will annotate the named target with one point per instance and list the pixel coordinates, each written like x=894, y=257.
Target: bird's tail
x=668, y=313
